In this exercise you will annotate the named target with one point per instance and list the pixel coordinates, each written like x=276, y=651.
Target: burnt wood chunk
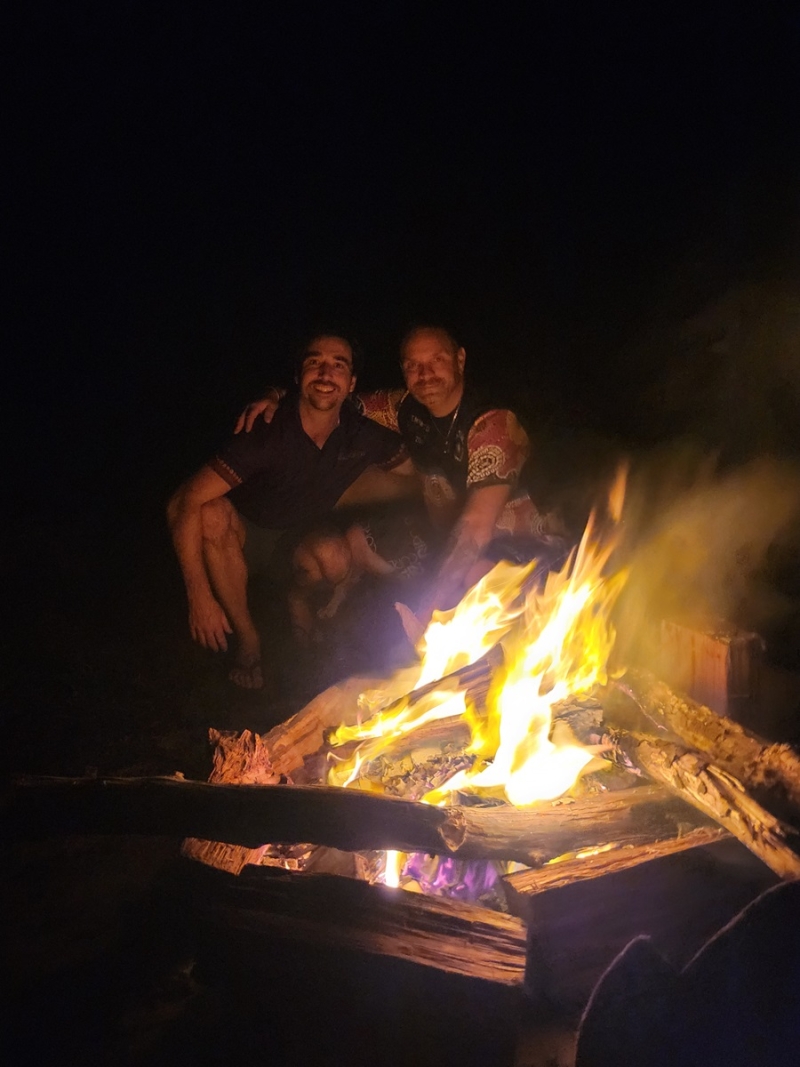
x=599, y=862
x=576, y=929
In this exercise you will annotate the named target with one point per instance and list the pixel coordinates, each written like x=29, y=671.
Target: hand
x=411, y=624
x=266, y=408
x=209, y=624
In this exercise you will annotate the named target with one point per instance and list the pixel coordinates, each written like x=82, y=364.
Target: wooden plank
x=680, y=900
x=718, y=666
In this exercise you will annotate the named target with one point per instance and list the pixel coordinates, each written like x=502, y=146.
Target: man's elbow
x=176, y=506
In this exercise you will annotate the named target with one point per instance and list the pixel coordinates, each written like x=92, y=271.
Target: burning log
x=718, y=794
x=303, y=734
x=770, y=771
x=625, y=818
x=345, y=819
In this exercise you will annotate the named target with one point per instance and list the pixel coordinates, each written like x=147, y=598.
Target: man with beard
x=470, y=456
x=228, y=519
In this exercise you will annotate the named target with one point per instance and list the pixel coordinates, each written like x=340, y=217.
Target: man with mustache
x=469, y=454
x=228, y=518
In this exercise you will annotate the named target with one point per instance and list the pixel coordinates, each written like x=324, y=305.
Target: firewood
x=625, y=818
x=608, y=859
x=251, y=815
x=714, y=791
x=771, y=772
x=350, y=915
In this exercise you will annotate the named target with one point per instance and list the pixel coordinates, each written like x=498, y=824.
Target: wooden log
x=536, y=835
x=349, y=820
x=303, y=734
x=606, y=859
x=679, y=900
x=249, y=815
x=350, y=915
x=719, y=795
x=770, y=772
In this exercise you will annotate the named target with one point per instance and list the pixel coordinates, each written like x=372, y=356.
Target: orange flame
x=556, y=643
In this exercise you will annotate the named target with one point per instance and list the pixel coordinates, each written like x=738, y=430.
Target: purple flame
x=446, y=876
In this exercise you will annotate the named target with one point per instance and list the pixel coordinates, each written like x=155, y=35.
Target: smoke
x=702, y=546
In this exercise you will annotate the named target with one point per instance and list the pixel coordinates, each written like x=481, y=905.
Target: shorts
x=267, y=553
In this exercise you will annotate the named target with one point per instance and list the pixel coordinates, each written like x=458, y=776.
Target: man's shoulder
x=364, y=426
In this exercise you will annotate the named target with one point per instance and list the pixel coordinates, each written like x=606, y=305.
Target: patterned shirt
x=476, y=446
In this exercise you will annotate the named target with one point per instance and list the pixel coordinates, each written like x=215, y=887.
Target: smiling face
x=326, y=375
x=433, y=367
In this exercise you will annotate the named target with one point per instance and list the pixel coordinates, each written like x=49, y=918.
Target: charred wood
x=770, y=772
x=251, y=815
x=608, y=859
x=695, y=778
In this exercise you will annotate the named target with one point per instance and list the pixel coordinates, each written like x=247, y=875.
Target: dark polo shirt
x=280, y=479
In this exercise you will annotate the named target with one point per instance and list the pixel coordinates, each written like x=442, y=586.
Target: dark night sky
x=193, y=185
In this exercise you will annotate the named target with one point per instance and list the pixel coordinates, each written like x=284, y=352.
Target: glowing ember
x=556, y=643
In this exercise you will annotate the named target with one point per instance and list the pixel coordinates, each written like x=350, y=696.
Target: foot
x=247, y=674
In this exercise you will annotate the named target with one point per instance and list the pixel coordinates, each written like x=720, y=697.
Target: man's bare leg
x=223, y=538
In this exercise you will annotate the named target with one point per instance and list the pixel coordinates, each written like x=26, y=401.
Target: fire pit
x=446, y=814
x=501, y=811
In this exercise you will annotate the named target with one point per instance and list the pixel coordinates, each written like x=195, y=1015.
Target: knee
x=334, y=558
x=217, y=520
x=323, y=558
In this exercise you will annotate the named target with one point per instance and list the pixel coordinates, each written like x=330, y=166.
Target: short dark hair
x=302, y=350
x=430, y=327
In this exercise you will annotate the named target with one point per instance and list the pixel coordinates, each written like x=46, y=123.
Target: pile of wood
x=701, y=781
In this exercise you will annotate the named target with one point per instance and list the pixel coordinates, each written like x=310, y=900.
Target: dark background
x=189, y=187
x=192, y=187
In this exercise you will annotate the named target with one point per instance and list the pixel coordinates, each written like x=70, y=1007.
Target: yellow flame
x=393, y=867
x=556, y=643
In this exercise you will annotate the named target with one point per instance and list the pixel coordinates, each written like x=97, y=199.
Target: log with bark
x=349, y=915
x=715, y=792
x=770, y=772
x=345, y=819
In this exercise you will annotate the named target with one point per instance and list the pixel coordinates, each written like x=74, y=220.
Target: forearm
x=376, y=486
x=464, y=548
x=185, y=522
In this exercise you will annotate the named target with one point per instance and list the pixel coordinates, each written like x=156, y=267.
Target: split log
x=345, y=819
x=718, y=794
x=536, y=835
x=609, y=859
x=771, y=772
x=349, y=915
x=303, y=734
